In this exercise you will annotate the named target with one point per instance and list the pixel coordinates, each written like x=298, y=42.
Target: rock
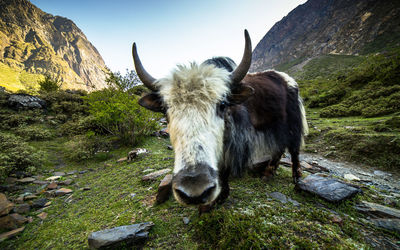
x=10, y=234
x=52, y=185
x=327, y=188
x=294, y=202
x=21, y=101
x=8, y=222
x=336, y=219
x=286, y=161
x=19, y=200
x=122, y=159
x=30, y=197
x=82, y=172
x=131, y=235
x=66, y=182
x=26, y=180
x=5, y=205
x=10, y=180
x=63, y=191
x=136, y=152
x=377, y=210
x=53, y=178
x=19, y=219
x=380, y=173
x=155, y=175
x=72, y=172
x=164, y=189
x=59, y=173
x=351, y=177
x=42, y=215
x=278, y=196
x=39, y=203
x=388, y=224
x=186, y=220
x=22, y=208
x=170, y=147
x=40, y=182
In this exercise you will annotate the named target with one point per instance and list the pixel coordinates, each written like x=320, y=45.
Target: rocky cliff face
x=37, y=42
x=329, y=27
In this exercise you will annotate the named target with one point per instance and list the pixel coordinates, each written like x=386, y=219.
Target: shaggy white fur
x=191, y=94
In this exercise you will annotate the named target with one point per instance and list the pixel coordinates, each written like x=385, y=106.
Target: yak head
x=195, y=99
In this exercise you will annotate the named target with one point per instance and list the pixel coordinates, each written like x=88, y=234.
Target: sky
x=169, y=32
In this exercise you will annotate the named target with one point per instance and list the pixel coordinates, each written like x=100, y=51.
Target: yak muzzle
x=195, y=185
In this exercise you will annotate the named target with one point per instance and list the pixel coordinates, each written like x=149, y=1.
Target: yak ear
x=152, y=102
x=240, y=93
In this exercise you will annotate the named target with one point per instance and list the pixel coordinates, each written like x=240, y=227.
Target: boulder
x=388, y=224
x=330, y=189
x=377, y=210
x=131, y=235
x=24, y=101
x=5, y=205
x=164, y=189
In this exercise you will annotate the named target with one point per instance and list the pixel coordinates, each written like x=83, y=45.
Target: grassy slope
x=247, y=219
x=14, y=80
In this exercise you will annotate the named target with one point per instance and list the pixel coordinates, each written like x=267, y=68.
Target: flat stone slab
x=388, y=224
x=53, y=178
x=123, y=235
x=11, y=234
x=62, y=191
x=26, y=180
x=330, y=189
x=154, y=175
x=377, y=210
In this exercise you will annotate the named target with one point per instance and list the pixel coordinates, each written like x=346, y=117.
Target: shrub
x=66, y=102
x=84, y=147
x=33, y=132
x=10, y=119
x=15, y=154
x=118, y=113
x=78, y=126
x=49, y=84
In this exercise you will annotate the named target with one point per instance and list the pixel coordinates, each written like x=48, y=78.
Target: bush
x=10, y=119
x=17, y=155
x=84, y=147
x=33, y=133
x=118, y=113
x=78, y=126
x=49, y=84
x=66, y=102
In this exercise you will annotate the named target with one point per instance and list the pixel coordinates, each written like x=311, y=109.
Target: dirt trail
x=383, y=180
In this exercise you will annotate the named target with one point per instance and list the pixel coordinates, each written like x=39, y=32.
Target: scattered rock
x=5, y=205
x=122, y=159
x=82, y=172
x=286, y=161
x=40, y=203
x=38, y=182
x=170, y=147
x=42, y=215
x=164, y=189
x=26, y=180
x=380, y=173
x=22, y=208
x=131, y=235
x=10, y=180
x=376, y=210
x=327, y=188
x=72, y=172
x=279, y=196
x=8, y=222
x=294, y=202
x=186, y=220
x=336, y=219
x=155, y=175
x=66, y=182
x=8, y=235
x=30, y=197
x=19, y=200
x=351, y=177
x=134, y=153
x=19, y=219
x=52, y=185
x=389, y=224
x=53, y=178
x=59, y=173
x=63, y=191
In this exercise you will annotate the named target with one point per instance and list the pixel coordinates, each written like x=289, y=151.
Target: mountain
x=33, y=43
x=320, y=27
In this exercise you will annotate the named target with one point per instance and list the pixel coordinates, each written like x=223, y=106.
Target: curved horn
x=241, y=70
x=145, y=77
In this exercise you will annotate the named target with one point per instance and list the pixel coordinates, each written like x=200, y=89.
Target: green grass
x=14, y=79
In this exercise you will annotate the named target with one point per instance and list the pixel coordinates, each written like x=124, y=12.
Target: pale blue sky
x=169, y=32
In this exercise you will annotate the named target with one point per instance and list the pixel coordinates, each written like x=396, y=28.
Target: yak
x=222, y=120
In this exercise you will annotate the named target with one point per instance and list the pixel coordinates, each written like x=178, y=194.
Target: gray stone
x=130, y=235
x=53, y=178
x=380, y=173
x=62, y=191
x=155, y=175
x=351, y=177
x=26, y=180
x=72, y=172
x=39, y=203
x=22, y=208
x=330, y=189
x=377, y=210
x=20, y=101
x=294, y=202
x=186, y=220
x=59, y=173
x=388, y=224
x=66, y=182
x=279, y=196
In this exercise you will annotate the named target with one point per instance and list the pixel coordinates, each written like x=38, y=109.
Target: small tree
x=49, y=84
x=120, y=82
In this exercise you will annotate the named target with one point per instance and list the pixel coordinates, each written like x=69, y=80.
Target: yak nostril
x=203, y=198
x=182, y=194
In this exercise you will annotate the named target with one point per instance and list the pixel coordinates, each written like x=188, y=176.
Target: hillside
x=321, y=27
x=33, y=43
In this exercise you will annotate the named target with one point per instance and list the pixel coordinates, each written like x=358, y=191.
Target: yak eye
x=221, y=107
